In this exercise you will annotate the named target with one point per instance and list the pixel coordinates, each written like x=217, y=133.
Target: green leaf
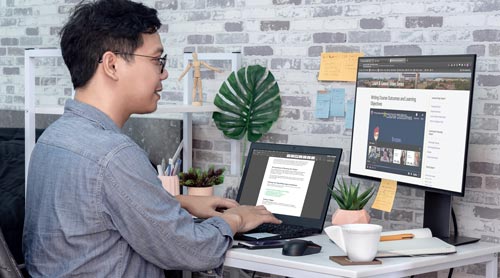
x=250, y=103
x=364, y=194
x=366, y=199
x=355, y=191
x=339, y=201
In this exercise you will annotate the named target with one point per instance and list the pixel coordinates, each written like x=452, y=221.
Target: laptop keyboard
x=285, y=230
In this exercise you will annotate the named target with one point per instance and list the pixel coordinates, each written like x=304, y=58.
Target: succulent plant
x=195, y=177
x=346, y=195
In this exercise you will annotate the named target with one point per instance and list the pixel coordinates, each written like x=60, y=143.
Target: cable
x=253, y=275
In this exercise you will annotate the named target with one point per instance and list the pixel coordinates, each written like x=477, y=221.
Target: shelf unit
x=186, y=109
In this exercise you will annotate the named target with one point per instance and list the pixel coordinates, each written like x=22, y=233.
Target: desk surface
x=319, y=265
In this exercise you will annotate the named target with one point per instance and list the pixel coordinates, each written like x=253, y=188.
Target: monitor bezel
x=471, y=90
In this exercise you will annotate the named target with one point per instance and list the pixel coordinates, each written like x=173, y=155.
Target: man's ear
x=109, y=60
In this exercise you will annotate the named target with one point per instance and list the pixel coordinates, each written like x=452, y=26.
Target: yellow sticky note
x=385, y=195
x=338, y=66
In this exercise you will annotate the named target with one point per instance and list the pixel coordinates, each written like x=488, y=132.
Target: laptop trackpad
x=258, y=236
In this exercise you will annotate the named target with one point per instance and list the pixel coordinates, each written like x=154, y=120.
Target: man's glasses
x=161, y=60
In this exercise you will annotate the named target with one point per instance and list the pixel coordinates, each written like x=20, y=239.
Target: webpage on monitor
x=411, y=118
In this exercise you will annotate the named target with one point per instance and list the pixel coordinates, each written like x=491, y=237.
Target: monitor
x=411, y=125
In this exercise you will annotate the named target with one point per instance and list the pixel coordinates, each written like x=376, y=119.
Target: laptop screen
x=290, y=181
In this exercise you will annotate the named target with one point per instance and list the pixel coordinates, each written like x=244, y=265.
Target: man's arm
x=152, y=221
x=205, y=206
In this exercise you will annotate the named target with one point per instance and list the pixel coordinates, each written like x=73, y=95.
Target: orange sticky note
x=385, y=195
x=338, y=66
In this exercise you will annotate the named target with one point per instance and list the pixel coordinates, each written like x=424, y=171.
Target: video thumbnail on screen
x=395, y=141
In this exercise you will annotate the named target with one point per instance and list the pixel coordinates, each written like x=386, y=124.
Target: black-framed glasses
x=161, y=60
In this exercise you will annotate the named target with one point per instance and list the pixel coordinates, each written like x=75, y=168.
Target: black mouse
x=300, y=247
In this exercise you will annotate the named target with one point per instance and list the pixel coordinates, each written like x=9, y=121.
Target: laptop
x=292, y=182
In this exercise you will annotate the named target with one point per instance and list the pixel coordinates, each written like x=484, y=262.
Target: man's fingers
x=231, y=203
x=261, y=209
x=227, y=203
x=268, y=216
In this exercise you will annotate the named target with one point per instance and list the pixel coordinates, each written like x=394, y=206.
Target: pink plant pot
x=201, y=191
x=341, y=217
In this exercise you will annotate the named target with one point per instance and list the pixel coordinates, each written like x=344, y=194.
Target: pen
x=163, y=164
x=177, y=166
x=396, y=237
x=167, y=172
x=160, y=170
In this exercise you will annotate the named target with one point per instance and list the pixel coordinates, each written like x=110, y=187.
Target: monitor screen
x=411, y=120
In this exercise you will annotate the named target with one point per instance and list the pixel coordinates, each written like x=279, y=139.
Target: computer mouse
x=300, y=247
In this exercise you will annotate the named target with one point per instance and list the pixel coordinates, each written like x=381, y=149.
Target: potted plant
x=199, y=182
x=351, y=203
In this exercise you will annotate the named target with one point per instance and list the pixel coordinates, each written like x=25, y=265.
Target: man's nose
x=164, y=74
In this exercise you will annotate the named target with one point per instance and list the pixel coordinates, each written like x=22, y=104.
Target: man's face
x=141, y=81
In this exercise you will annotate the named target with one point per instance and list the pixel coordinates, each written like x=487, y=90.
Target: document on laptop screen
x=290, y=181
x=285, y=184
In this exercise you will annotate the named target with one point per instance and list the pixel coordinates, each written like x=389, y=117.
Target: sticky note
x=338, y=102
x=323, y=99
x=385, y=195
x=338, y=66
x=349, y=114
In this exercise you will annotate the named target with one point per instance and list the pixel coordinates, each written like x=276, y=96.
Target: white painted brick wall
x=289, y=35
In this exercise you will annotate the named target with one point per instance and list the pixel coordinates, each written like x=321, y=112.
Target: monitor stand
x=460, y=240
x=437, y=214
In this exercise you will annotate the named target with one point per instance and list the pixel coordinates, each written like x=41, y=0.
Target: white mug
x=358, y=241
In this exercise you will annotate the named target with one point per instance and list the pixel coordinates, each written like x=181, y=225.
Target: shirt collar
x=91, y=113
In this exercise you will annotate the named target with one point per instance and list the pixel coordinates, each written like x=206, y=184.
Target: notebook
x=292, y=182
x=423, y=243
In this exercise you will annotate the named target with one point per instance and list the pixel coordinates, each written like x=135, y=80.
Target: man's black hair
x=103, y=25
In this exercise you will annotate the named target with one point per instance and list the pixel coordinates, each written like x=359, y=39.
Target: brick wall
x=288, y=36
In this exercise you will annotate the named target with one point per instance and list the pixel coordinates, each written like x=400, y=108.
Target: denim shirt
x=96, y=208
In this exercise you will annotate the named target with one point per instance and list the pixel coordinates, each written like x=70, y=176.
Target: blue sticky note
x=323, y=105
x=349, y=114
x=337, y=103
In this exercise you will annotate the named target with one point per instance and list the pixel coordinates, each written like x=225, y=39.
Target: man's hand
x=205, y=206
x=245, y=218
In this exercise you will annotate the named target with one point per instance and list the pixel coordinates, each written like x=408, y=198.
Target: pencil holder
x=171, y=184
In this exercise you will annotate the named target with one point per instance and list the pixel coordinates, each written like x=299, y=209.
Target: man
x=94, y=206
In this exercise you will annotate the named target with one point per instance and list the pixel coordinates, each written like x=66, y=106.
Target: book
x=422, y=243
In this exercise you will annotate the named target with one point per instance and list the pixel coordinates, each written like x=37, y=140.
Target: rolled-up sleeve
x=152, y=221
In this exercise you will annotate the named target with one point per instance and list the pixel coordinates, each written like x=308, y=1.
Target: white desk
x=319, y=265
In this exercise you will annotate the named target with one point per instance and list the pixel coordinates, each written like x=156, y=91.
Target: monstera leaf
x=250, y=103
